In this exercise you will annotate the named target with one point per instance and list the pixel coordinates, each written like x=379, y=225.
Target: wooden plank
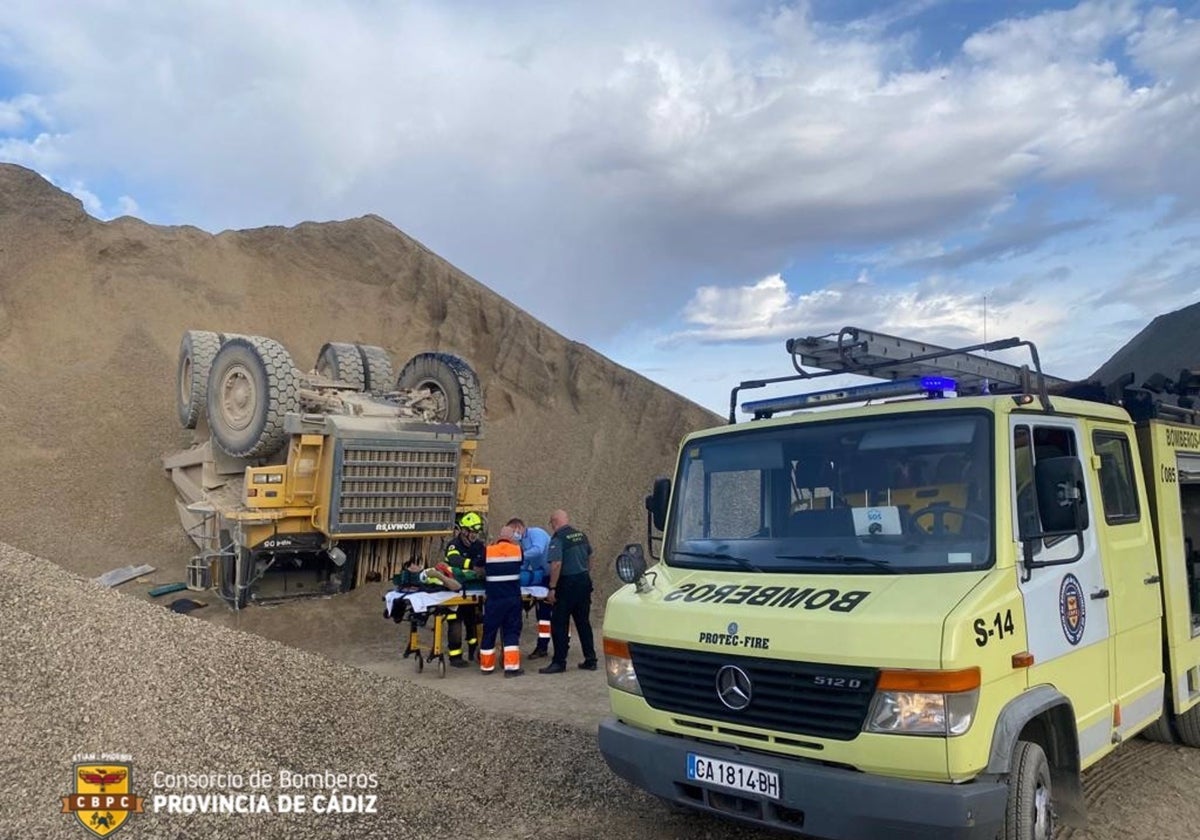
x=122, y=575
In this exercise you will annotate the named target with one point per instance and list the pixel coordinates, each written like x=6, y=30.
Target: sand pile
x=91, y=314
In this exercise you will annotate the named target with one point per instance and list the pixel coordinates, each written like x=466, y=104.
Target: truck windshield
x=883, y=495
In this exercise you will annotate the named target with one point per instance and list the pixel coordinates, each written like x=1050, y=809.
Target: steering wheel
x=938, y=512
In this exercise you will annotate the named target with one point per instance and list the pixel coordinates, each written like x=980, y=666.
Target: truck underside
x=309, y=484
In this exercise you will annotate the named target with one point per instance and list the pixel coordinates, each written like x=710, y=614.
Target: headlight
x=925, y=702
x=922, y=713
x=619, y=665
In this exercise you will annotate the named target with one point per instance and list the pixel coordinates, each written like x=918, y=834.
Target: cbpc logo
x=103, y=797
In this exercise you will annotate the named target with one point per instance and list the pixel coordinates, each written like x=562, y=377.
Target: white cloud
x=91, y=202
x=126, y=206
x=19, y=112
x=769, y=310
x=608, y=147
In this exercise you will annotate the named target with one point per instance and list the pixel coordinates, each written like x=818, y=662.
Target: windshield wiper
x=716, y=555
x=833, y=559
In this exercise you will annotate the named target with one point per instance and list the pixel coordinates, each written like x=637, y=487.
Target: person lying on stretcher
x=416, y=578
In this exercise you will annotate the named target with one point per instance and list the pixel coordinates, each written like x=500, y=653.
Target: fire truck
x=916, y=606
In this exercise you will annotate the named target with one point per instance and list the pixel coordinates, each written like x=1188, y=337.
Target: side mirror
x=656, y=502
x=1062, y=503
x=631, y=563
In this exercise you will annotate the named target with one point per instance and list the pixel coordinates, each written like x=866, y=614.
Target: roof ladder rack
x=867, y=353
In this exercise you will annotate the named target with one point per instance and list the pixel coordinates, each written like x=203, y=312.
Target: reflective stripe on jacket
x=502, y=570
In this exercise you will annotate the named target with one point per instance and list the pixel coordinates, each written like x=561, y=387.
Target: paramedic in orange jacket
x=502, y=604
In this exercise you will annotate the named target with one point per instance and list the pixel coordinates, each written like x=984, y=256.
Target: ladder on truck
x=853, y=350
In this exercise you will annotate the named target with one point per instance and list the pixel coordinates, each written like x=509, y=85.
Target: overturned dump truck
x=313, y=483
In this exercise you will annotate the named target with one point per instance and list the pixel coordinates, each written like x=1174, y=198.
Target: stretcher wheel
x=441, y=666
x=420, y=662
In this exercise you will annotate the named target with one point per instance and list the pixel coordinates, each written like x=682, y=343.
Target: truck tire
x=454, y=385
x=1030, y=812
x=1160, y=731
x=251, y=387
x=377, y=368
x=1188, y=727
x=343, y=362
x=196, y=353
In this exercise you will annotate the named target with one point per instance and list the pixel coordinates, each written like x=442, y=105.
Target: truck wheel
x=1188, y=727
x=1030, y=814
x=377, y=366
x=453, y=383
x=251, y=387
x=1160, y=731
x=342, y=362
x=196, y=352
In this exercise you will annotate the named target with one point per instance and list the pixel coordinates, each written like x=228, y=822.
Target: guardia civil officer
x=502, y=607
x=570, y=593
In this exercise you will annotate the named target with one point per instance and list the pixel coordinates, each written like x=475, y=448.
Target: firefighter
x=465, y=554
x=502, y=607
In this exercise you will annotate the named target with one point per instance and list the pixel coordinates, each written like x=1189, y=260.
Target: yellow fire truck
x=913, y=608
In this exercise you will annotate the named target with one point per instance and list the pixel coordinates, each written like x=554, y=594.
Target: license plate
x=732, y=775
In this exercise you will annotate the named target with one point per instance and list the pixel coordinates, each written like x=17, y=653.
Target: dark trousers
x=573, y=601
x=454, y=631
x=503, y=616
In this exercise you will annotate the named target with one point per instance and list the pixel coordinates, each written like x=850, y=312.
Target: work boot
x=588, y=665
x=553, y=668
x=539, y=653
x=520, y=672
x=458, y=662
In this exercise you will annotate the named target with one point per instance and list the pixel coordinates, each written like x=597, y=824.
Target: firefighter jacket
x=466, y=559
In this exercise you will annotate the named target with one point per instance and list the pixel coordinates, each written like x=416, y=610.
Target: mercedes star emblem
x=733, y=687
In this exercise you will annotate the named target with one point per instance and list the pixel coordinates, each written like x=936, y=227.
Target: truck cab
x=920, y=618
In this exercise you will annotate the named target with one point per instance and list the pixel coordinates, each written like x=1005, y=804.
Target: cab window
x=1030, y=445
x=1117, y=489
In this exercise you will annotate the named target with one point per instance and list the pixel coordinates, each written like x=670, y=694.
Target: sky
x=682, y=186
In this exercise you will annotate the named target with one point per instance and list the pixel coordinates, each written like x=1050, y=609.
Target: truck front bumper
x=815, y=800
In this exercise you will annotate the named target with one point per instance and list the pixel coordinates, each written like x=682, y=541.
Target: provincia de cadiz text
x=115, y=787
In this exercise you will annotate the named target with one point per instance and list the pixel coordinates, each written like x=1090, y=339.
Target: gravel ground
x=85, y=669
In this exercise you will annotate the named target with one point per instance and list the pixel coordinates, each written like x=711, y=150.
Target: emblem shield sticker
x=103, y=798
x=1072, y=609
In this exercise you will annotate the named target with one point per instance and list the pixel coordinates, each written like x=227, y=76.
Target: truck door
x=1066, y=606
x=1135, y=608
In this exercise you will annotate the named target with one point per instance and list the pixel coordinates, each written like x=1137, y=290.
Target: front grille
x=394, y=489
x=785, y=697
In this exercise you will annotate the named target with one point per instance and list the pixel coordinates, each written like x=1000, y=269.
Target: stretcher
x=421, y=606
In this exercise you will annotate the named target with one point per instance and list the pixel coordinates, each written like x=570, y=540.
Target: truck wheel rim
x=239, y=398
x=185, y=382
x=1043, y=821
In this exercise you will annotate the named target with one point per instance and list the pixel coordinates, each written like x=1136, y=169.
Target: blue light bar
x=932, y=385
x=935, y=384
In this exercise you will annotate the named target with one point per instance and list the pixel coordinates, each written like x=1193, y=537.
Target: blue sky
x=680, y=185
